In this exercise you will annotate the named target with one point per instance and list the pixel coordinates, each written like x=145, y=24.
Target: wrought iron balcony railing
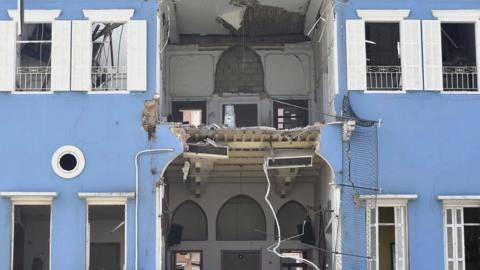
x=460, y=78
x=109, y=78
x=384, y=78
x=33, y=78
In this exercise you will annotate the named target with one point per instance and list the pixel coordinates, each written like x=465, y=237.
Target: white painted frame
x=462, y=16
x=456, y=204
x=36, y=15
x=385, y=16
x=64, y=150
x=105, y=198
x=397, y=201
x=30, y=198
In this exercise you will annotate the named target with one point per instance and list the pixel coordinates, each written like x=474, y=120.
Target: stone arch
x=289, y=216
x=239, y=70
x=193, y=220
x=241, y=218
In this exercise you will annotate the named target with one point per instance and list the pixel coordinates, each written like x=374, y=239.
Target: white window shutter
x=411, y=54
x=137, y=55
x=432, y=55
x=372, y=235
x=356, y=55
x=400, y=238
x=81, y=55
x=477, y=41
x=8, y=55
x=61, y=34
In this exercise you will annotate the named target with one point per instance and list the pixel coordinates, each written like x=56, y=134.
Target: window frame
x=105, y=198
x=461, y=16
x=32, y=199
x=397, y=201
x=174, y=259
x=455, y=203
x=384, y=16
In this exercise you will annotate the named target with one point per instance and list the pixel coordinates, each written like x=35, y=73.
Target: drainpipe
x=137, y=177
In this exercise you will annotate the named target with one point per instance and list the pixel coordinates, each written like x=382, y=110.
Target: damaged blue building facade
x=144, y=134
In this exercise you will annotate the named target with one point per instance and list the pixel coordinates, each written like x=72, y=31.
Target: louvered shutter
x=454, y=250
x=411, y=55
x=8, y=54
x=400, y=238
x=81, y=55
x=477, y=41
x=137, y=55
x=356, y=55
x=372, y=233
x=432, y=55
x=61, y=34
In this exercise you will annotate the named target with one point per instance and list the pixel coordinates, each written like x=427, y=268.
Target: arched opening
x=239, y=70
x=289, y=216
x=241, y=219
x=193, y=221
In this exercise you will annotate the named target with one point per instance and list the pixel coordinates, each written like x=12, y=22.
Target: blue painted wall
x=428, y=145
x=107, y=128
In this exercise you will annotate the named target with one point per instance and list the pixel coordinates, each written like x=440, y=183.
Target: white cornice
x=36, y=15
x=108, y=15
x=380, y=15
x=460, y=200
x=460, y=15
x=389, y=199
x=106, y=198
x=30, y=198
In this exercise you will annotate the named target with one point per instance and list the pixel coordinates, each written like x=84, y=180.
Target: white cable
x=274, y=247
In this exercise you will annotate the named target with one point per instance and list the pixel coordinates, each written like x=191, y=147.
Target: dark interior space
x=246, y=115
x=287, y=116
x=383, y=42
x=458, y=44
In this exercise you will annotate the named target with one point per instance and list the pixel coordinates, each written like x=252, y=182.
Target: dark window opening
x=34, y=49
x=68, y=162
x=386, y=238
x=246, y=115
x=471, y=220
x=193, y=221
x=383, y=56
x=459, y=57
x=189, y=112
x=187, y=260
x=287, y=116
x=107, y=237
x=31, y=237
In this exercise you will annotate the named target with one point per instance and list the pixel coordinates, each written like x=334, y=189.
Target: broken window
x=187, y=260
x=462, y=234
x=289, y=114
x=241, y=219
x=34, y=49
x=387, y=239
x=106, y=231
x=189, y=112
x=246, y=115
x=31, y=237
x=384, y=70
x=109, y=57
x=193, y=220
x=459, y=57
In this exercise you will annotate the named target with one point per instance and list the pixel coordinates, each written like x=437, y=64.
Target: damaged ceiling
x=201, y=17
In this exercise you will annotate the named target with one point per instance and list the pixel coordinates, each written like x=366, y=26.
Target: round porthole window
x=68, y=162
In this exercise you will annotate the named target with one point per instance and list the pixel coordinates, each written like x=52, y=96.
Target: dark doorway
x=241, y=260
x=246, y=115
x=105, y=256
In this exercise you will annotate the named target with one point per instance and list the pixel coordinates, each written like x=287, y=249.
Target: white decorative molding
x=380, y=15
x=64, y=150
x=460, y=15
x=460, y=200
x=390, y=199
x=36, y=15
x=106, y=198
x=30, y=198
x=108, y=15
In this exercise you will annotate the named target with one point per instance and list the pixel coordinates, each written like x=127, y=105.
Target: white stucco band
x=460, y=200
x=30, y=198
x=108, y=15
x=389, y=199
x=36, y=15
x=465, y=15
x=106, y=198
x=378, y=15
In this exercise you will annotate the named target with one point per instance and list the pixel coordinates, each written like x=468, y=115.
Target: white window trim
x=384, y=15
x=460, y=201
x=389, y=200
x=36, y=15
x=30, y=198
x=465, y=15
x=68, y=149
x=105, y=198
x=108, y=15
